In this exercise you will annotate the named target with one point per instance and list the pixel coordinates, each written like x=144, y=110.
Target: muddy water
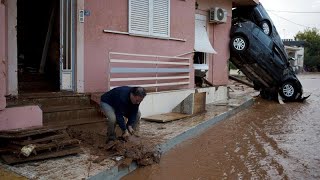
x=266, y=141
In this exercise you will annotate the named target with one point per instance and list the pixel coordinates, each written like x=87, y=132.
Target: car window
x=265, y=39
x=279, y=53
x=256, y=31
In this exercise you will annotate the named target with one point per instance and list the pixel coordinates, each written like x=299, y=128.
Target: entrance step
x=56, y=113
x=50, y=99
x=61, y=108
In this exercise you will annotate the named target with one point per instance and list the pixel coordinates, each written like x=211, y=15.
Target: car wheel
x=288, y=90
x=239, y=43
x=265, y=26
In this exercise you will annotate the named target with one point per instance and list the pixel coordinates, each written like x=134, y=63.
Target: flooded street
x=265, y=141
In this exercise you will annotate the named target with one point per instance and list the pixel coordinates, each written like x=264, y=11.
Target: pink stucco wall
x=2, y=57
x=20, y=117
x=113, y=15
x=219, y=38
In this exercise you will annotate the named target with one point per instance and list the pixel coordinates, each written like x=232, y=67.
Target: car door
x=268, y=60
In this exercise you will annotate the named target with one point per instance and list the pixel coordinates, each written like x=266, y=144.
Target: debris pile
x=135, y=150
x=20, y=146
x=138, y=149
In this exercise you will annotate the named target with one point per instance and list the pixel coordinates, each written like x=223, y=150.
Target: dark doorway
x=38, y=36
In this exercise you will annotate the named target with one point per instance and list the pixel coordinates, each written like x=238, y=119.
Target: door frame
x=12, y=65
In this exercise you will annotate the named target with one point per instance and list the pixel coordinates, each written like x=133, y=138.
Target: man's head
x=137, y=94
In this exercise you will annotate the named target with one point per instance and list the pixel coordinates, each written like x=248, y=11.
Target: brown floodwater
x=265, y=141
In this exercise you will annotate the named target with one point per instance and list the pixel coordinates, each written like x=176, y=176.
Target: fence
x=156, y=73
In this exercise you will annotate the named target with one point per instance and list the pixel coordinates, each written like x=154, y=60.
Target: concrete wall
x=2, y=57
x=219, y=38
x=113, y=15
x=164, y=102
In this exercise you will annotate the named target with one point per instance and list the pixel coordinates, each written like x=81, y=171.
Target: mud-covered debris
x=126, y=163
x=136, y=151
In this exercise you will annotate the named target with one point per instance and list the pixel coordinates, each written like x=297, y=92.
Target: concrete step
x=61, y=108
x=49, y=99
x=61, y=113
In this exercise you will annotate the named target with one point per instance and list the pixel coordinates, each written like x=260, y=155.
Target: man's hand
x=125, y=134
x=130, y=129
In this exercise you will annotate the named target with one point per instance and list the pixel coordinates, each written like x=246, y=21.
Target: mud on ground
x=142, y=150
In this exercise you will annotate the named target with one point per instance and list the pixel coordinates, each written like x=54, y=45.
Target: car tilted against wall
x=257, y=50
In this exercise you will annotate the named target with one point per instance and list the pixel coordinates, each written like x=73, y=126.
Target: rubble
x=31, y=144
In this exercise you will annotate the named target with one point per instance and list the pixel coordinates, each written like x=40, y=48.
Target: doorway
x=45, y=45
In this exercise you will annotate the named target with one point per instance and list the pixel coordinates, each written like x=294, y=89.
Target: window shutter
x=139, y=17
x=161, y=18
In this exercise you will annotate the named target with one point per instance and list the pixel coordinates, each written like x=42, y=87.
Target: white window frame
x=151, y=22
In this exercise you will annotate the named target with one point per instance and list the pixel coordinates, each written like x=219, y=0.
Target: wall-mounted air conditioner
x=218, y=15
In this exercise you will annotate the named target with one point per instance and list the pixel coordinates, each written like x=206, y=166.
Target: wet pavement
x=265, y=141
x=97, y=163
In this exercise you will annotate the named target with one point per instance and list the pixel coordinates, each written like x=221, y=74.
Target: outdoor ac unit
x=218, y=15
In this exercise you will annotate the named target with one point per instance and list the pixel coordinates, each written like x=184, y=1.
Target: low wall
x=164, y=102
x=20, y=117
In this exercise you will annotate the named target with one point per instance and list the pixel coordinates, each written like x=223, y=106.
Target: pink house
x=90, y=46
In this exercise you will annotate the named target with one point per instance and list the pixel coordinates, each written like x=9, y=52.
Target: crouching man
x=122, y=102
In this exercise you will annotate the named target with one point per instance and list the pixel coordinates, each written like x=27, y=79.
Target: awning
x=202, y=43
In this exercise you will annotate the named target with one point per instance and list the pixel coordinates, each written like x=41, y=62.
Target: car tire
x=239, y=43
x=266, y=28
x=289, y=90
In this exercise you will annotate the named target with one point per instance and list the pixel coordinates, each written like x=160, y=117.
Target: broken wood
x=167, y=117
x=21, y=133
x=54, y=137
x=241, y=81
x=46, y=44
x=9, y=159
x=45, y=142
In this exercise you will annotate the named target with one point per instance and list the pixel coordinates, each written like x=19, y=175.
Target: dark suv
x=257, y=50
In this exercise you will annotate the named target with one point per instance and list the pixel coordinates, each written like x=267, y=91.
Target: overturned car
x=257, y=50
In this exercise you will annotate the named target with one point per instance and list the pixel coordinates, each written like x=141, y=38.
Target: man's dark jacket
x=119, y=99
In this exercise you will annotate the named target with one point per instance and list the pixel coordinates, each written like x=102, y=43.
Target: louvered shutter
x=161, y=18
x=139, y=19
x=149, y=17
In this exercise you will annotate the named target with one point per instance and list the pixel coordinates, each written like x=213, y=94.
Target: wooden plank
x=28, y=132
x=11, y=159
x=46, y=44
x=167, y=117
x=41, y=140
x=199, y=103
x=58, y=144
x=241, y=81
x=6, y=150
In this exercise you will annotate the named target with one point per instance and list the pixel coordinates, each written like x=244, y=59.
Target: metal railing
x=154, y=72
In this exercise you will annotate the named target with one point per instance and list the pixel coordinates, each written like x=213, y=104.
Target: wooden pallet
x=48, y=142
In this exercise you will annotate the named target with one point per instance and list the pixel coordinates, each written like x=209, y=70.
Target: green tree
x=312, y=47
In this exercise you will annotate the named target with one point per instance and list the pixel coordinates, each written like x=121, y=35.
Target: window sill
x=145, y=36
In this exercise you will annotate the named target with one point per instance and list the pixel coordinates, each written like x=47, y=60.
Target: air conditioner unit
x=218, y=15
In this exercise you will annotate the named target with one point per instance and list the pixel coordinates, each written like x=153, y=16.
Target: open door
x=67, y=44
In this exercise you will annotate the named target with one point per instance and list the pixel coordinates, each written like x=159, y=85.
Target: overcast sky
x=289, y=24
